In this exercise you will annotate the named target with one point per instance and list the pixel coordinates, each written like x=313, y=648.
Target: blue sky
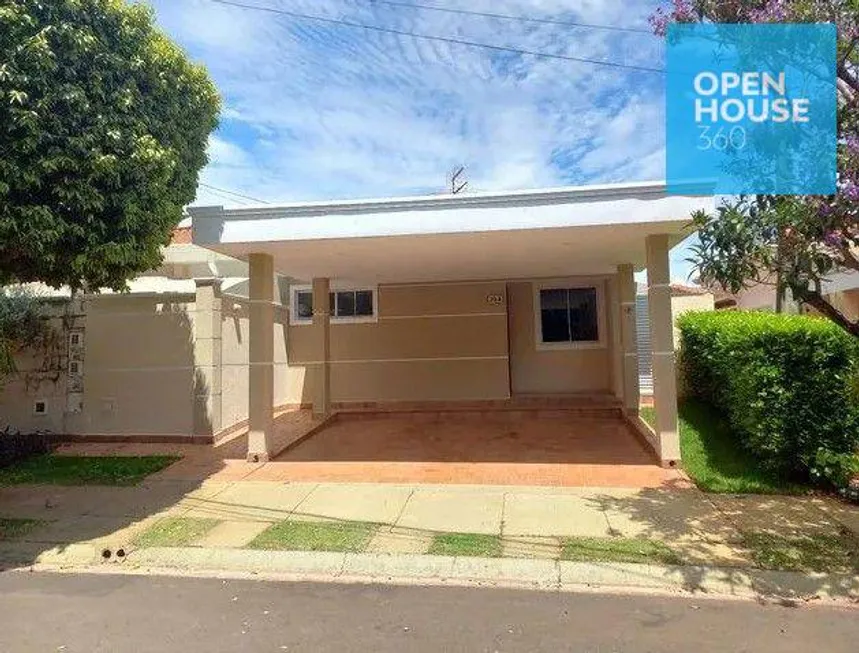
x=318, y=111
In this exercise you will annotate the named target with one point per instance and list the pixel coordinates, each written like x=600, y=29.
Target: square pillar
x=261, y=357
x=629, y=343
x=662, y=346
x=322, y=338
x=207, y=357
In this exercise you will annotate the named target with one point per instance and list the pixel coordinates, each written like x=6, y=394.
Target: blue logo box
x=751, y=109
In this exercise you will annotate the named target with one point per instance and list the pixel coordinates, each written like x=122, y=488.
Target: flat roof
x=468, y=235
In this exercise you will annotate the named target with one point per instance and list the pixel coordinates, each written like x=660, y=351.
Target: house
x=840, y=289
x=480, y=300
x=465, y=298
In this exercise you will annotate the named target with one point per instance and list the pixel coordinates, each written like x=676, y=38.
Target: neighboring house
x=840, y=289
x=684, y=298
x=480, y=298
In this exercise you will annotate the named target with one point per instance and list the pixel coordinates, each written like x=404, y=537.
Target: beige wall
x=234, y=356
x=19, y=392
x=556, y=371
x=846, y=301
x=431, y=342
x=139, y=366
x=138, y=372
x=684, y=303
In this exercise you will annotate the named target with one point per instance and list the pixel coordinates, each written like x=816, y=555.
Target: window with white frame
x=568, y=316
x=344, y=304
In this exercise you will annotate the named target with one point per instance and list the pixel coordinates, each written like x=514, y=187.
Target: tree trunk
x=816, y=301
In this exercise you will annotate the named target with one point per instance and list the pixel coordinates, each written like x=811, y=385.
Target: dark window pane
x=304, y=304
x=583, y=315
x=331, y=307
x=364, y=302
x=554, y=316
x=346, y=304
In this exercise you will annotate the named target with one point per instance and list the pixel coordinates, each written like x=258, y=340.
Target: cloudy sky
x=314, y=110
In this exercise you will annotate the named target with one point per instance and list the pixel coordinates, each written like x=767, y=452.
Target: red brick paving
x=545, y=448
x=500, y=448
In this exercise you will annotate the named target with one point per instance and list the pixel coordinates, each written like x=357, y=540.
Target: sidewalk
x=532, y=524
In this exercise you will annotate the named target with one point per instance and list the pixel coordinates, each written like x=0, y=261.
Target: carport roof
x=520, y=234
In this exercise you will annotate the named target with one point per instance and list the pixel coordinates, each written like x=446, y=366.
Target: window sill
x=567, y=346
x=339, y=320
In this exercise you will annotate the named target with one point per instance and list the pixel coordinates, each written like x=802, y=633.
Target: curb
x=547, y=575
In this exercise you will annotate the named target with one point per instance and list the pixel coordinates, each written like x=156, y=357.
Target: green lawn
x=617, y=549
x=809, y=553
x=175, y=531
x=13, y=529
x=316, y=536
x=714, y=459
x=466, y=544
x=83, y=470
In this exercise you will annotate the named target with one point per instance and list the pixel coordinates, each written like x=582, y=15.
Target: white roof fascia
x=564, y=207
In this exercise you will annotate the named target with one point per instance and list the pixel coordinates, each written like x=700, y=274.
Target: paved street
x=94, y=613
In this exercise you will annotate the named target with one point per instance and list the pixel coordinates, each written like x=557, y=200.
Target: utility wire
x=445, y=39
x=234, y=193
x=524, y=19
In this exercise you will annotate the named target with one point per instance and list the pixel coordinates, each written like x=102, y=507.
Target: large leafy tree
x=794, y=242
x=103, y=130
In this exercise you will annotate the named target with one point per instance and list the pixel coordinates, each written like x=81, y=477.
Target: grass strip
x=348, y=536
x=83, y=470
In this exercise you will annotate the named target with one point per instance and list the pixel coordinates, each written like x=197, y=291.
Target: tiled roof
x=181, y=236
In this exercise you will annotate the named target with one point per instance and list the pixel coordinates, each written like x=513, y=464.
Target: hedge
x=788, y=384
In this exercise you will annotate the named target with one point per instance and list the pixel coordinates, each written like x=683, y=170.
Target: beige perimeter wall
x=138, y=372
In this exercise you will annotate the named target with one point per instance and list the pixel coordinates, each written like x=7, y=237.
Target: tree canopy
x=794, y=242
x=104, y=124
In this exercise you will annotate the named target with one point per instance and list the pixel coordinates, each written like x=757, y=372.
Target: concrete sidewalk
x=531, y=521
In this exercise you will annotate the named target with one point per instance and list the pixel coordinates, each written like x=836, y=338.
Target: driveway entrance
x=537, y=447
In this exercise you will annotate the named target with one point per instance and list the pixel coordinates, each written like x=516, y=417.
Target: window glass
x=341, y=304
x=569, y=315
x=304, y=304
x=346, y=303
x=364, y=302
x=583, y=315
x=554, y=315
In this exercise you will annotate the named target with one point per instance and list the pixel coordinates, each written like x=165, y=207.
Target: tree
x=795, y=242
x=103, y=129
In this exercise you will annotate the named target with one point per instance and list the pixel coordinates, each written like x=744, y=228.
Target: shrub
x=787, y=384
x=15, y=446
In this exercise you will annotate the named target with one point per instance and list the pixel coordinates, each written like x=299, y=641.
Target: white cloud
x=315, y=111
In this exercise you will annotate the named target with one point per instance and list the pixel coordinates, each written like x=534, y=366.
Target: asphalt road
x=94, y=613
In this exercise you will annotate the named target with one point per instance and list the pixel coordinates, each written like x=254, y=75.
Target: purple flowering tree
x=794, y=243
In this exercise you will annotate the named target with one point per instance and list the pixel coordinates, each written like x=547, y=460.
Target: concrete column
x=662, y=345
x=626, y=291
x=321, y=328
x=207, y=357
x=261, y=357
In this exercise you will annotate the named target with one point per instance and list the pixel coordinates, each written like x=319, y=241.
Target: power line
x=234, y=193
x=524, y=19
x=444, y=39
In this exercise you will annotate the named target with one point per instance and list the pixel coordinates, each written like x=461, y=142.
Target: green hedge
x=788, y=384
